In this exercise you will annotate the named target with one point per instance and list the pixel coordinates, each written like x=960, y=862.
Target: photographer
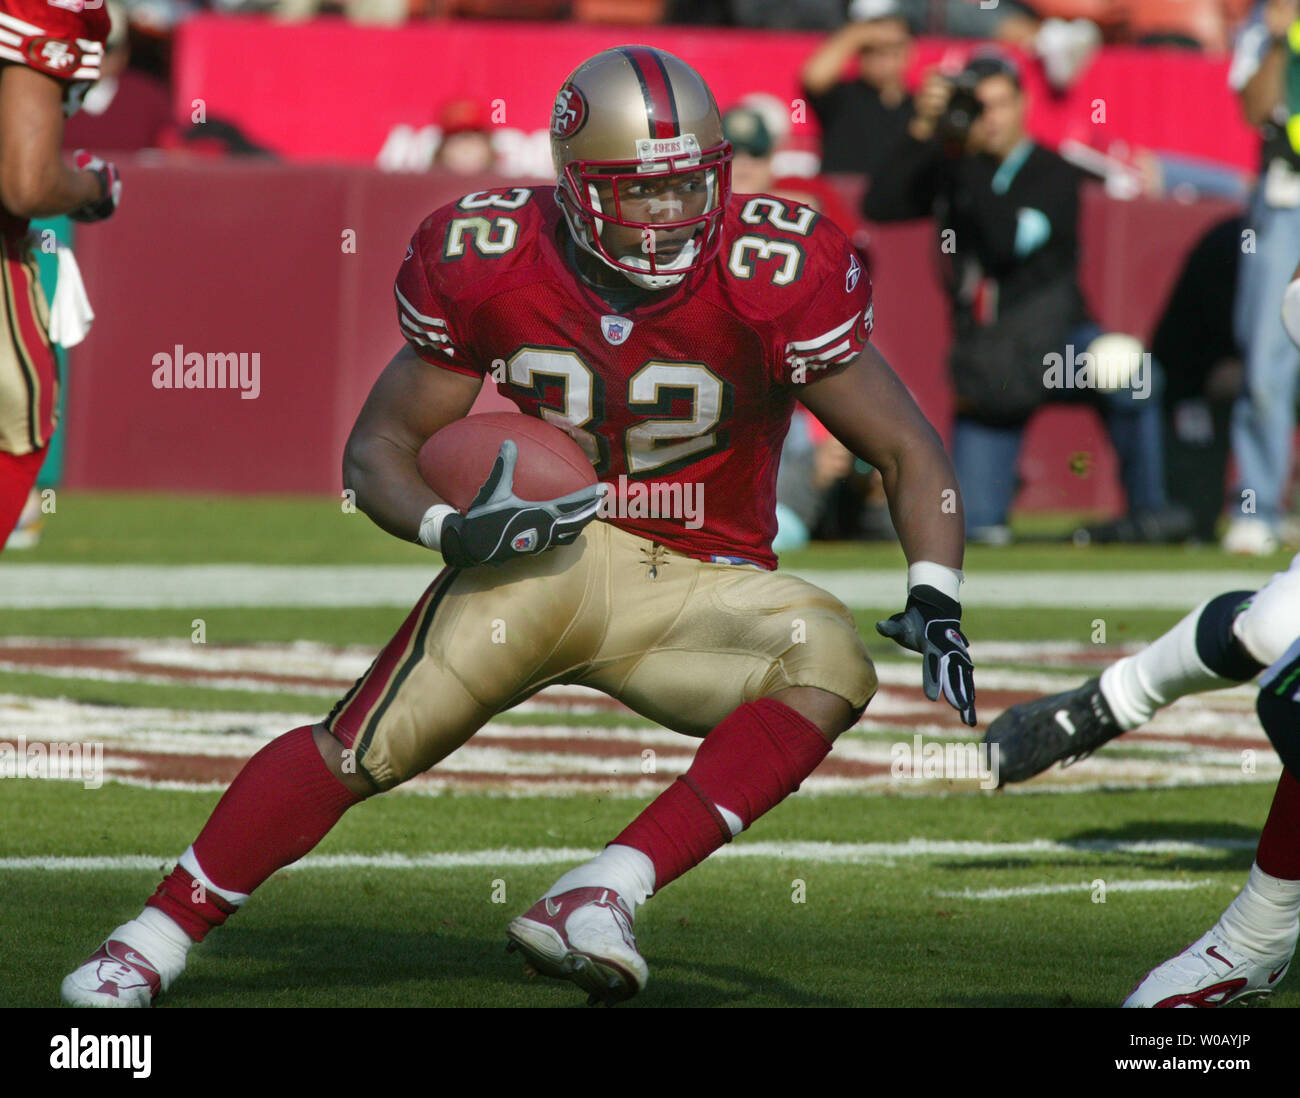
x=1007, y=211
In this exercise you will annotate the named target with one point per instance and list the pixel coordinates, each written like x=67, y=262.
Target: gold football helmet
x=636, y=131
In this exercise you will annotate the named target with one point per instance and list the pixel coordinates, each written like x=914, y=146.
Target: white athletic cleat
x=1211, y=972
x=1249, y=537
x=584, y=935
x=115, y=975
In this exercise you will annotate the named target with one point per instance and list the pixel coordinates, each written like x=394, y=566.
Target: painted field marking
x=819, y=852
x=42, y=586
x=1082, y=886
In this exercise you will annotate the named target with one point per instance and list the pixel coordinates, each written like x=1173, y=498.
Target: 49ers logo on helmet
x=570, y=112
x=53, y=56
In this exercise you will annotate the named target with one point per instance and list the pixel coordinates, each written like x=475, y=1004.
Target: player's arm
x=411, y=400
x=871, y=412
x=34, y=179
x=821, y=72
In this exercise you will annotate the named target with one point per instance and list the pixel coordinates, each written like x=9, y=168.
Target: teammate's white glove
x=110, y=184
x=931, y=624
x=500, y=526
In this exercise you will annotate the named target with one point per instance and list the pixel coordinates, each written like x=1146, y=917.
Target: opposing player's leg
x=1202, y=652
x=436, y=682
x=1248, y=951
x=769, y=669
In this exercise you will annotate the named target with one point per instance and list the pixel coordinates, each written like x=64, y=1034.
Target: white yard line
x=1084, y=887
x=38, y=586
x=817, y=852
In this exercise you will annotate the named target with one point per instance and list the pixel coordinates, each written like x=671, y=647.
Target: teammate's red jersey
x=681, y=404
x=61, y=38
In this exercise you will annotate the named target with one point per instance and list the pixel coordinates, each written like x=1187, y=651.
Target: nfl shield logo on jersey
x=525, y=542
x=616, y=329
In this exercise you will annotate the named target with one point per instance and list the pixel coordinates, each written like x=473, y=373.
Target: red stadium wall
x=296, y=265
x=328, y=90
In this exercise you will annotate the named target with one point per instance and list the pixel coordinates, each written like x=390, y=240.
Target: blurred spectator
x=811, y=462
x=752, y=173
x=1007, y=210
x=213, y=139
x=1194, y=338
x=766, y=14
x=1063, y=34
x=126, y=110
x=1130, y=173
x=861, y=118
x=823, y=493
x=1265, y=74
x=466, y=145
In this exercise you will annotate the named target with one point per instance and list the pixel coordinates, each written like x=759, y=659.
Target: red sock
x=748, y=764
x=279, y=806
x=1279, y=842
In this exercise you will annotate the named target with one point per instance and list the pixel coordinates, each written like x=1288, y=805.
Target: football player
x=49, y=56
x=669, y=327
x=1228, y=639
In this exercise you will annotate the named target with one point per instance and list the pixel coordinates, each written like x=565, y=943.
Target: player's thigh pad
x=687, y=647
x=1271, y=622
x=479, y=641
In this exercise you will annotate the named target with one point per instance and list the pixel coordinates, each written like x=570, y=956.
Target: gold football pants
x=680, y=641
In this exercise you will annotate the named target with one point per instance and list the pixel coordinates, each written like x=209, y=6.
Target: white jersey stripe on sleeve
x=416, y=330
x=435, y=321
x=10, y=21
x=825, y=337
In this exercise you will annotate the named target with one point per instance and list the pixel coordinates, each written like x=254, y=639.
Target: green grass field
x=885, y=894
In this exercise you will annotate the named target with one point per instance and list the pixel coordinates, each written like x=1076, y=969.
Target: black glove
x=931, y=624
x=500, y=526
x=110, y=184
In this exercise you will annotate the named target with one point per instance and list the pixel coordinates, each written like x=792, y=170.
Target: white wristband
x=943, y=579
x=431, y=525
x=1291, y=311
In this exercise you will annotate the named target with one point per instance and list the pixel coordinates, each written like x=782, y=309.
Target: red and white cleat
x=115, y=975
x=1211, y=972
x=585, y=936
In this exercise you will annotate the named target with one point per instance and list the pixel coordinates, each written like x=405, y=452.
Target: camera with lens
x=964, y=106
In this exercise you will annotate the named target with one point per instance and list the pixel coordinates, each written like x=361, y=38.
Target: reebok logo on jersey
x=853, y=274
x=615, y=329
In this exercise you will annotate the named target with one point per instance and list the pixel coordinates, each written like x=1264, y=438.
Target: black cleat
x=1064, y=728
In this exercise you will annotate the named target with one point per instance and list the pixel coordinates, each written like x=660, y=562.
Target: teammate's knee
x=342, y=762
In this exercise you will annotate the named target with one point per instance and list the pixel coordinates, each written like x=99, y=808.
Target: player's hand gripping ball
x=523, y=506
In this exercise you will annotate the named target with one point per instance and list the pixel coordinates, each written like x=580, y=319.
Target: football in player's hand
x=457, y=460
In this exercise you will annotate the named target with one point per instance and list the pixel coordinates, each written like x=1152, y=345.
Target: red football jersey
x=61, y=38
x=683, y=404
